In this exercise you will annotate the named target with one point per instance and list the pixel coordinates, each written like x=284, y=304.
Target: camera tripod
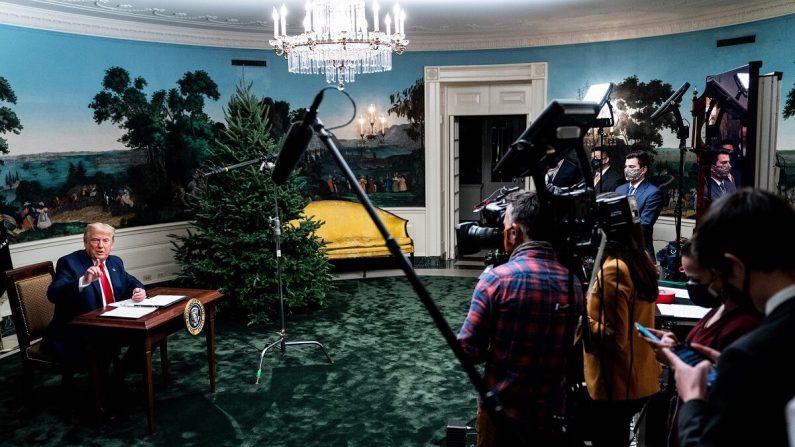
x=282, y=342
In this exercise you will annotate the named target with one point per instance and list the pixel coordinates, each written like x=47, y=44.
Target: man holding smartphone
x=757, y=367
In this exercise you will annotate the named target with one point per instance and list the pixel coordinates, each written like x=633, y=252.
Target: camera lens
x=472, y=238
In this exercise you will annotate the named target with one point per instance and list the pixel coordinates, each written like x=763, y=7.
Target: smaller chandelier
x=372, y=127
x=336, y=41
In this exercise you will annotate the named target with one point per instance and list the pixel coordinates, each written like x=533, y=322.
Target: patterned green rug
x=394, y=381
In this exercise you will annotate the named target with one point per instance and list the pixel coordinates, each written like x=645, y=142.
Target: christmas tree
x=232, y=245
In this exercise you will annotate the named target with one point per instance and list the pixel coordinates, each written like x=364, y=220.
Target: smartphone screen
x=645, y=332
x=683, y=351
x=693, y=358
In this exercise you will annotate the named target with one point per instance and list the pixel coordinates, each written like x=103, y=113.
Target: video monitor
x=549, y=138
x=730, y=91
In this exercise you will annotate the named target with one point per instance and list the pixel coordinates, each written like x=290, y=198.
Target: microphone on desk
x=295, y=144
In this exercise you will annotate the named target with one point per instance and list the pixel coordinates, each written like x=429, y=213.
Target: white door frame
x=439, y=163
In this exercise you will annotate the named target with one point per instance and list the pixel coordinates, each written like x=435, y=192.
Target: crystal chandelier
x=337, y=41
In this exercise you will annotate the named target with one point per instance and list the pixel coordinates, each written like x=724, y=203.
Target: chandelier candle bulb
x=283, y=16
x=375, y=16
x=396, y=15
x=388, y=21
x=275, y=23
x=308, y=18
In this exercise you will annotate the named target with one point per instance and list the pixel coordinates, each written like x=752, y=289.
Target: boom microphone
x=670, y=102
x=295, y=144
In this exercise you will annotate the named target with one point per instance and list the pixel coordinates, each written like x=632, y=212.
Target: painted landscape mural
x=78, y=146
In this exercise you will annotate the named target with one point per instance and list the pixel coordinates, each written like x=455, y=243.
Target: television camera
x=487, y=232
x=554, y=138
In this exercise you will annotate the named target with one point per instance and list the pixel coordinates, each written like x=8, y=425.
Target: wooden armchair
x=32, y=312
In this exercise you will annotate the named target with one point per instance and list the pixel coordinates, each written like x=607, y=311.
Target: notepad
x=155, y=301
x=128, y=312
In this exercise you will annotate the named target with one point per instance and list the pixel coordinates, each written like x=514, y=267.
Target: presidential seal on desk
x=194, y=316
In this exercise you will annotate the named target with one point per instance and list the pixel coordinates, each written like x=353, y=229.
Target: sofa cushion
x=349, y=232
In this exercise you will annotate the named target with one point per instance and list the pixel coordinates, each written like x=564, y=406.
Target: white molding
x=147, y=251
x=39, y=18
x=439, y=165
x=513, y=36
x=519, y=34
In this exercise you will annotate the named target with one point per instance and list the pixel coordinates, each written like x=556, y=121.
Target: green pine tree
x=233, y=247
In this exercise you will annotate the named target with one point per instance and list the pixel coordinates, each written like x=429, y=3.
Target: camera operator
x=519, y=324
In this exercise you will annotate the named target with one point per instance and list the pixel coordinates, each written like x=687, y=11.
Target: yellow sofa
x=349, y=232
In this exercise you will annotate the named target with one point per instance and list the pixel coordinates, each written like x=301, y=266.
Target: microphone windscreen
x=295, y=144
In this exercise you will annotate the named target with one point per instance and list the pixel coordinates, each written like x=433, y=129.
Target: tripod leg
x=312, y=342
x=262, y=356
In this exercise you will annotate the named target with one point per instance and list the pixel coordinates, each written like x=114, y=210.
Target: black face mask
x=702, y=295
x=596, y=164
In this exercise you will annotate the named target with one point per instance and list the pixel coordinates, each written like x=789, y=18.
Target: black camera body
x=471, y=237
x=487, y=233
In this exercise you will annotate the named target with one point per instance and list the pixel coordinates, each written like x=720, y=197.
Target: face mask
x=702, y=295
x=632, y=174
x=721, y=171
x=596, y=165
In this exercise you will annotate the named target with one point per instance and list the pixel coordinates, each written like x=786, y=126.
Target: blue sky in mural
x=56, y=75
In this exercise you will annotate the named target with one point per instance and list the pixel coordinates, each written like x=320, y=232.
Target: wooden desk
x=148, y=331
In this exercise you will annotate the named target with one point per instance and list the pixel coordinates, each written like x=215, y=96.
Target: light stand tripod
x=682, y=132
x=281, y=342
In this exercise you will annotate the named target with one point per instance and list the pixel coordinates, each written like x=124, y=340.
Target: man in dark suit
x=746, y=403
x=721, y=181
x=86, y=280
x=648, y=197
x=605, y=178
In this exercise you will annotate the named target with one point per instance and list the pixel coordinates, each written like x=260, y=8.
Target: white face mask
x=632, y=174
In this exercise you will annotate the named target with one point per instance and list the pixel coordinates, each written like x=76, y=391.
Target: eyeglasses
x=95, y=241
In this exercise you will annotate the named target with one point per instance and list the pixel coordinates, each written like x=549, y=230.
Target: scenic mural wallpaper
x=115, y=130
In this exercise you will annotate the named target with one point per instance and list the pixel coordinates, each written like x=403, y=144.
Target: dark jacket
x=70, y=301
x=609, y=181
x=650, y=202
x=746, y=404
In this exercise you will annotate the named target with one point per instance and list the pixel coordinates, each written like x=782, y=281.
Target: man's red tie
x=107, y=290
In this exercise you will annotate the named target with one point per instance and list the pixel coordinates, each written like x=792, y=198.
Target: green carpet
x=394, y=381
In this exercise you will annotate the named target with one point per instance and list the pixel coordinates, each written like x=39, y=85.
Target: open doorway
x=482, y=141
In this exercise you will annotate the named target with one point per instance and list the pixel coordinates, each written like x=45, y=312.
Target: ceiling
x=430, y=25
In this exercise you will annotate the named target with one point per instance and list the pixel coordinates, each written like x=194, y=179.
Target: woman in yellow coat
x=621, y=372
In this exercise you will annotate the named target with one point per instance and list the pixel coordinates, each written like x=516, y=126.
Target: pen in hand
x=138, y=295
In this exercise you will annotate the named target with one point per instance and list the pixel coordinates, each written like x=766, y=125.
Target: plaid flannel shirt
x=517, y=325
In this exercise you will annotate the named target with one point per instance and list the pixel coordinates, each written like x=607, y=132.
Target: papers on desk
x=155, y=301
x=682, y=311
x=128, y=312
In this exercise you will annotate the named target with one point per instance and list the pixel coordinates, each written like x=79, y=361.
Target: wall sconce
x=372, y=127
